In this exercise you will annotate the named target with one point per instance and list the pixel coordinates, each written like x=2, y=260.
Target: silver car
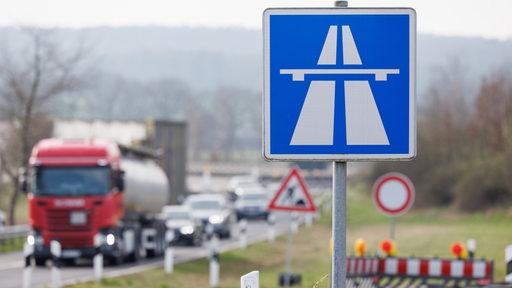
x=213, y=210
x=251, y=203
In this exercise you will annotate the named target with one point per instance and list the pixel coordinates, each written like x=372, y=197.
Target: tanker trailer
x=146, y=192
x=78, y=189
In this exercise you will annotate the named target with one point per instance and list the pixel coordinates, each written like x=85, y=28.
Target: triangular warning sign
x=293, y=195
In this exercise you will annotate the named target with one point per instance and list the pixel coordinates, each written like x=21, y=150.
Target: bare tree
x=29, y=77
x=493, y=121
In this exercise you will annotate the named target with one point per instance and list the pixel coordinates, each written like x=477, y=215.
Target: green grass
x=266, y=257
x=423, y=233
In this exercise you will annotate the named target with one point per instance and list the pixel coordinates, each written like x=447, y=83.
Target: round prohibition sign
x=393, y=194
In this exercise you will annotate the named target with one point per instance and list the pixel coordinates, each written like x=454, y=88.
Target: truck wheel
x=40, y=262
x=115, y=261
x=134, y=257
x=198, y=241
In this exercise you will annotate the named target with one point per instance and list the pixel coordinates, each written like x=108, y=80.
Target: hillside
x=206, y=58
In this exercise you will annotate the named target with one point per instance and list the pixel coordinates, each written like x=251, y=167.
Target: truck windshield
x=71, y=181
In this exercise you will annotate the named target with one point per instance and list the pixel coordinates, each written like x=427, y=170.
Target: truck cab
x=77, y=191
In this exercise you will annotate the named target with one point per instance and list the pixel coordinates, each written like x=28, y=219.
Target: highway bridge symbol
x=339, y=84
x=363, y=122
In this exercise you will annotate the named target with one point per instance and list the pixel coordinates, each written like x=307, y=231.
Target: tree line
x=464, y=143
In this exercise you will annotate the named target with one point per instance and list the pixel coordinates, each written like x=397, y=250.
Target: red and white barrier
x=436, y=268
x=420, y=268
x=363, y=266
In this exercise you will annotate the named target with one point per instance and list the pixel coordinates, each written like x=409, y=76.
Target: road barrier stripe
x=419, y=268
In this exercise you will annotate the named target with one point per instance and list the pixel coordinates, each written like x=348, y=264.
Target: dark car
x=187, y=230
x=213, y=210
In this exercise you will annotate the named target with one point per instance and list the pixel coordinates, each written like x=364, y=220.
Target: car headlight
x=187, y=230
x=216, y=219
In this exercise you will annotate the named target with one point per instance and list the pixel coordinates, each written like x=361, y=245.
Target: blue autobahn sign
x=339, y=84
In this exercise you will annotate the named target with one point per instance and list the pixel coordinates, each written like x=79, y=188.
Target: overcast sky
x=486, y=18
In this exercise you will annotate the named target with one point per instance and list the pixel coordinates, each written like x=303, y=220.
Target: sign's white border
x=339, y=11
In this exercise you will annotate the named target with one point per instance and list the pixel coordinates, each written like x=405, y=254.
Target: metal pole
x=392, y=228
x=339, y=214
x=339, y=225
x=288, y=263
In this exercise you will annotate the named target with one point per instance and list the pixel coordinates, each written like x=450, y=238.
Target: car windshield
x=253, y=197
x=177, y=215
x=71, y=181
x=205, y=205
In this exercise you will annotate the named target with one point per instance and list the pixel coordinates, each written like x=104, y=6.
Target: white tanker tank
x=146, y=187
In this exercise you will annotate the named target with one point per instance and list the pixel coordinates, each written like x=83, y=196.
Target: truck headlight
x=35, y=238
x=187, y=230
x=110, y=239
x=31, y=240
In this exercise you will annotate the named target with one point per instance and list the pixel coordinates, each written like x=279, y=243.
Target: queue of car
x=215, y=212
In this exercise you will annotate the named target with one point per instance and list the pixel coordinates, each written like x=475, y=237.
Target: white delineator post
x=98, y=257
x=28, y=251
x=250, y=280
x=508, y=261
x=271, y=231
x=471, y=245
x=242, y=226
x=55, y=249
x=214, y=262
x=169, y=252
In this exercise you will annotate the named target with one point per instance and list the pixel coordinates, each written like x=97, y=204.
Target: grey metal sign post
x=339, y=225
x=339, y=215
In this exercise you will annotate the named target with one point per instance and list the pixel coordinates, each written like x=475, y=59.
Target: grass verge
x=422, y=237
x=427, y=233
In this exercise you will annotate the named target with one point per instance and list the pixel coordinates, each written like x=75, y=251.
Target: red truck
x=80, y=188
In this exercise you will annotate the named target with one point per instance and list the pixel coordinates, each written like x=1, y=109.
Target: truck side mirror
x=23, y=185
x=120, y=181
x=22, y=180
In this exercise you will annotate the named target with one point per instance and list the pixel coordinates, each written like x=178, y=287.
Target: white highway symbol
x=315, y=125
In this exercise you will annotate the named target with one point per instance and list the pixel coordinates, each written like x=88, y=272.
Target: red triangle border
x=308, y=208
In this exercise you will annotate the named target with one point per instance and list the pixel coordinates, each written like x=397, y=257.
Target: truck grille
x=70, y=235
x=60, y=221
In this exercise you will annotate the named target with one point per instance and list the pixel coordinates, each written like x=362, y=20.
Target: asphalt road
x=12, y=264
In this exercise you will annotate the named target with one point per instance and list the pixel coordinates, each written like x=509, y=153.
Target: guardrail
x=13, y=237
